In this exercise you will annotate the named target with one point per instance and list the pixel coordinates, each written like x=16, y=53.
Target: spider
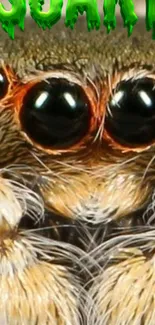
x=77, y=134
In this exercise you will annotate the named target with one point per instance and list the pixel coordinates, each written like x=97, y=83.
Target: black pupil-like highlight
x=55, y=113
x=3, y=84
x=130, y=117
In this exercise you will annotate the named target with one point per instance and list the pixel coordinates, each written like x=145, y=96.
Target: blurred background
x=139, y=6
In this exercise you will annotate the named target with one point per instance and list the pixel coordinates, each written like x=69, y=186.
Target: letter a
x=92, y=14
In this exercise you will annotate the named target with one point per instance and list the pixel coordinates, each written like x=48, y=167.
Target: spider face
x=77, y=138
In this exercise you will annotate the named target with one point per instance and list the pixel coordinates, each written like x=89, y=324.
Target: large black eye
x=55, y=113
x=130, y=116
x=3, y=84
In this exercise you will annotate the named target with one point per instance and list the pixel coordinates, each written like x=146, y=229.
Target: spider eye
x=3, y=84
x=55, y=113
x=130, y=116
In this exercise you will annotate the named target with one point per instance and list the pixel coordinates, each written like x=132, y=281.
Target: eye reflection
x=55, y=114
x=130, y=117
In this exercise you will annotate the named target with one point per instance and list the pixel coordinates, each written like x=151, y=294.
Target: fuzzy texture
x=77, y=232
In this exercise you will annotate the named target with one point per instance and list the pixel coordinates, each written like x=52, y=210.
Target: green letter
x=128, y=14
x=46, y=19
x=13, y=17
x=109, y=14
x=150, y=16
x=92, y=14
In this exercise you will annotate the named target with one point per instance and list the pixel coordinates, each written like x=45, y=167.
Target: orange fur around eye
x=22, y=89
